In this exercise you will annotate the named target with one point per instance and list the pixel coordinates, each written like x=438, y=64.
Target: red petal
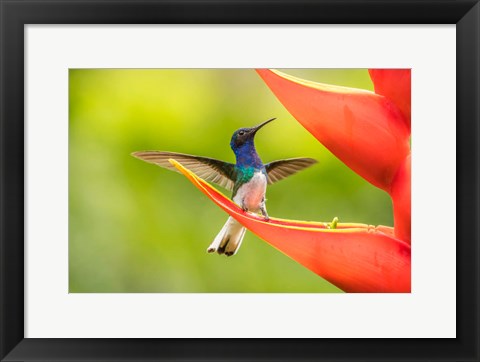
x=401, y=196
x=363, y=129
x=394, y=84
x=354, y=257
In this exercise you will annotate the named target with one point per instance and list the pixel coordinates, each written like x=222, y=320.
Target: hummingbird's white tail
x=229, y=239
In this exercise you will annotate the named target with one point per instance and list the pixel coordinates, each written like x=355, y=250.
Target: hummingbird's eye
x=241, y=133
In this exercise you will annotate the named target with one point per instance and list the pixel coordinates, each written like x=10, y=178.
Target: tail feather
x=234, y=244
x=229, y=239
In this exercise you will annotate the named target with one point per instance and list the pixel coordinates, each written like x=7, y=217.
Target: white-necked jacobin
x=247, y=178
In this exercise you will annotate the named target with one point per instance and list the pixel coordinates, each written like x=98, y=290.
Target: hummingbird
x=247, y=179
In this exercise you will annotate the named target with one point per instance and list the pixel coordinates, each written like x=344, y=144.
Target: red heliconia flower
x=370, y=133
x=354, y=257
x=394, y=84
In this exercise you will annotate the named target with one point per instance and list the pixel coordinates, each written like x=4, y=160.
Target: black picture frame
x=15, y=14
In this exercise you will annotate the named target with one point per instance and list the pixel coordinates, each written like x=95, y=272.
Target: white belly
x=252, y=194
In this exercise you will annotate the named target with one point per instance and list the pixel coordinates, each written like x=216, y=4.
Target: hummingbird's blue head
x=243, y=137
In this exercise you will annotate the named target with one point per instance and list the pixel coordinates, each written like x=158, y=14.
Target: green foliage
x=135, y=227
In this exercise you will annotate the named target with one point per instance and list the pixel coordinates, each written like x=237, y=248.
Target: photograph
x=239, y=180
x=163, y=160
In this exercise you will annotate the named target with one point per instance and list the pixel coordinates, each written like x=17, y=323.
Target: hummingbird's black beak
x=256, y=128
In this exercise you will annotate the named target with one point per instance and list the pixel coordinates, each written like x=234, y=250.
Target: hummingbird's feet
x=263, y=210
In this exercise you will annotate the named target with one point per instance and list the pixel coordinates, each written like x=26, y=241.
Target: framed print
x=323, y=203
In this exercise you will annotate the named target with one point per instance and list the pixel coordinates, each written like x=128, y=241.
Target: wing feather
x=278, y=170
x=209, y=169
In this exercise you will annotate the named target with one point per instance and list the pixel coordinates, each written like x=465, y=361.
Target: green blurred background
x=137, y=228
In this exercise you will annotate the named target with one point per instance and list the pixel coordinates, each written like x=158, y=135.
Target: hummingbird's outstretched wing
x=209, y=169
x=278, y=170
